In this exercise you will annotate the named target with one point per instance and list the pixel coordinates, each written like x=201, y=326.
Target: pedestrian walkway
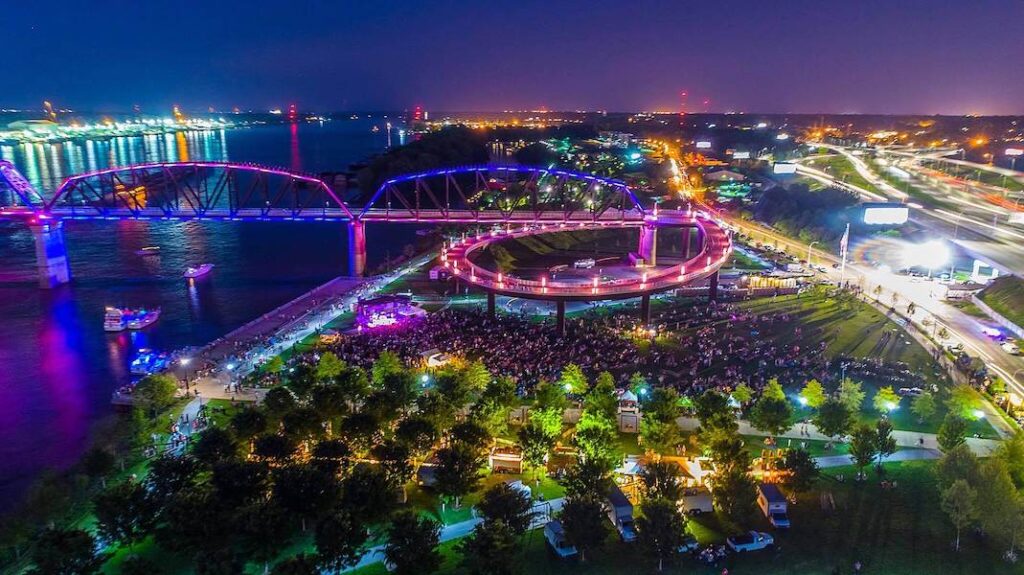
x=905, y=455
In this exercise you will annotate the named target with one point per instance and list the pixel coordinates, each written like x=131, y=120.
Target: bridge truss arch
x=502, y=193
x=197, y=191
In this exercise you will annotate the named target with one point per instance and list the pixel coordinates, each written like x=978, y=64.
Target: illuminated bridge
x=532, y=199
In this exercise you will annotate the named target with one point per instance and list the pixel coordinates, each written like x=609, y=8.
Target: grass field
x=858, y=330
x=841, y=169
x=1005, y=295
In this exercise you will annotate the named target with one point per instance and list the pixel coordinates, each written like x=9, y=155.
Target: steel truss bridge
x=512, y=195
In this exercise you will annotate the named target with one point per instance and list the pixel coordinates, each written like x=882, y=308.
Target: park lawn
x=970, y=309
x=1005, y=295
x=428, y=504
x=841, y=169
x=817, y=448
x=741, y=260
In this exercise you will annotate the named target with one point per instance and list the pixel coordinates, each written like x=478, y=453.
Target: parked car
x=751, y=541
x=1011, y=348
x=554, y=534
x=690, y=544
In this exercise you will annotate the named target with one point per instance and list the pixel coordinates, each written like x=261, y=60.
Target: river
x=58, y=367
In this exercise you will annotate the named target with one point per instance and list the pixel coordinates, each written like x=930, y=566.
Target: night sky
x=866, y=56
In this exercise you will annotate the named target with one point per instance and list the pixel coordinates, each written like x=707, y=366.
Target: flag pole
x=844, y=246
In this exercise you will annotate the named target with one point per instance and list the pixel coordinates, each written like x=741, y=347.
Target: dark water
x=57, y=366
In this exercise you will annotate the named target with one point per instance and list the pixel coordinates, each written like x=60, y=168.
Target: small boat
x=114, y=320
x=198, y=271
x=375, y=129
x=143, y=318
x=148, y=251
x=148, y=361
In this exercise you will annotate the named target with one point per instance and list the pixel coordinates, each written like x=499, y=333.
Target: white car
x=1011, y=348
x=750, y=541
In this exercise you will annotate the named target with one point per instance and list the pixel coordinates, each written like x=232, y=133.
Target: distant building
x=724, y=176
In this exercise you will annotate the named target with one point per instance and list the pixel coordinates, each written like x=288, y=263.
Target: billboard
x=783, y=168
x=1014, y=152
x=886, y=214
x=703, y=145
x=1017, y=218
x=741, y=155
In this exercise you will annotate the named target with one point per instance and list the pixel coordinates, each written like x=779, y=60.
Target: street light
x=184, y=363
x=809, y=252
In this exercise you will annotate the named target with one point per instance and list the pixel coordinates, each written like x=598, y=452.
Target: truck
x=620, y=513
x=773, y=504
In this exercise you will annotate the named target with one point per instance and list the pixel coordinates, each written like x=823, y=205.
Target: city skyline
x=870, y=57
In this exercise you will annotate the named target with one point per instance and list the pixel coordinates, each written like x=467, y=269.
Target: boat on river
x=148, y=251
x=122, y=318
x=198, y=271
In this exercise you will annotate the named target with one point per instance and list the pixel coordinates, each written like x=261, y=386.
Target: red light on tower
x=293, y=113
x=417, y=114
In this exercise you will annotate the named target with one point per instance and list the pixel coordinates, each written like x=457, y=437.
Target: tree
x=339, y=538
x=471, y=433
x=279, y=400
x=851, y=396
x=156, y=392
x=492, y=408
x=490, y=550
x=510, y=506
x=660, y=529
x=923, y=406
x=585, y=523
x=329, y=366
x=588, y=479
x=803, y=470
x=264, y=530
x=573, y=381
x=303, y=423
x=97, y=463
x=952, y=432
x=771, y=414
x=476, y=377
x=813, y=394
x=957, y=463
x=361, y=430
x=274, y=366
x=715, y=413
x=305, y=491
x=331, y=456
x=662, y=480
x=65, y=552
x=962, y=401
x=742, y=394
x=368, y=494
x=170, y=475
x=238, y=482
x=660, y=436
x=274, y=447
x=885, y=400
x=885, y=443
x=222, y=561
x=329, y=401
x=387, y=363
x=396, y=462
x=536, y=444
x=248, y=422
x=773, y=390
x=213, y=445
x=412, y=544
x=663, y=404
x=301, y=564
x=833, y=418
x=417, y=433
x=601, y=400
x=124, y=513
x=958, y=502
x=734, y=492
x=1011, y=451
x=863, y=447
x=998, y=502
x=597, y=440
x=458, y=470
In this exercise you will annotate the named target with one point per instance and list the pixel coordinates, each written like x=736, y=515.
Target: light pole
x=184, y=363
x=809, y=252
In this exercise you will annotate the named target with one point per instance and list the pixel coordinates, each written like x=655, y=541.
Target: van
x=554, y=534
x=773, y=504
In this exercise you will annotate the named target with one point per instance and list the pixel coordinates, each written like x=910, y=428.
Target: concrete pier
x=51, y=255
x=648, y=248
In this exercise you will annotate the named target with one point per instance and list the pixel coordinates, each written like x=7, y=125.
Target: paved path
x=903, y=438
x=906, y=455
